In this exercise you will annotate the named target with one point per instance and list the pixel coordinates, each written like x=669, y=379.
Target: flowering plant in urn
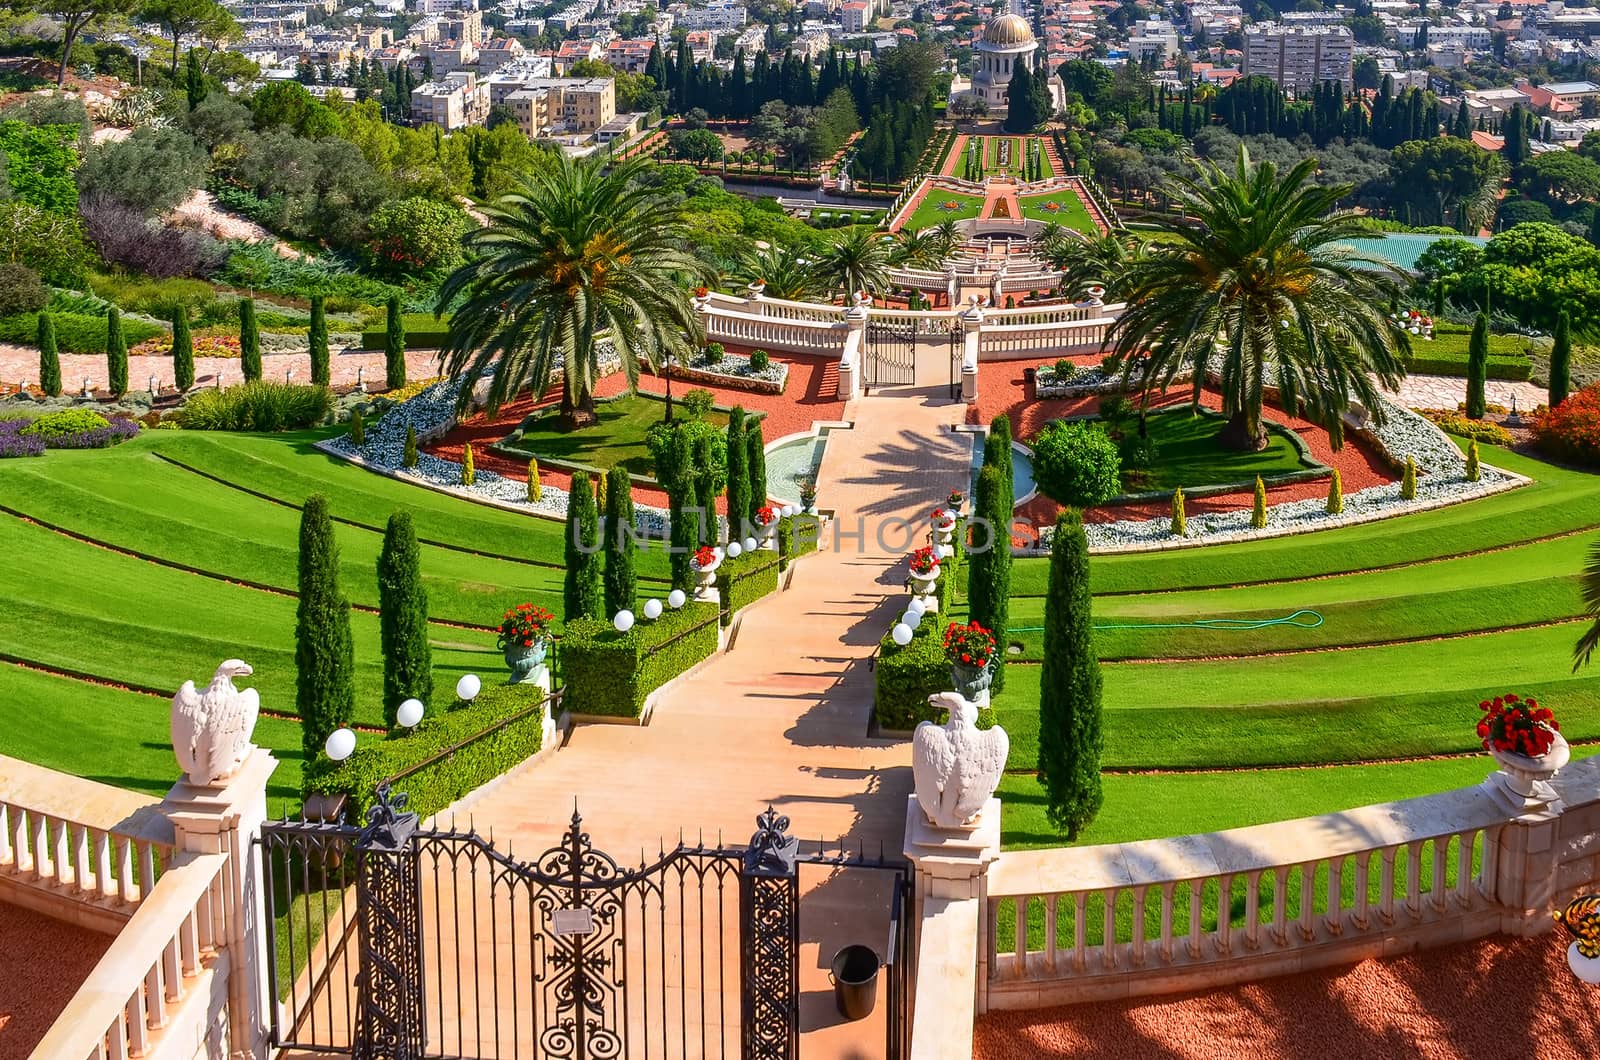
x=1516, y=725
x=705, y=556
x=924, y=561
x=523, y=630
x=766, y=515
x=968, y=645
x=955, y=500
x=943, y=518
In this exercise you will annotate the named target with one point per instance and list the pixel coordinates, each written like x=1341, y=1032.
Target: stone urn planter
x=525, y=660
x=944, y=527
x=705, y=578
x=1524, y=774
x=1587, y=969
x=972, y=682
x=924, y=584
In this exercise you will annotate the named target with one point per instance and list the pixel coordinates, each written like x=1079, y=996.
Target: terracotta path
x=46, y=961
x=781, y=718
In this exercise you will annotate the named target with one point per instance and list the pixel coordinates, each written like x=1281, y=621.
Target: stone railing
x=1069, y=925
x=774, y=333
x=1004, y=342
x=1051, y=314
x=153, y=993
x=77, y=850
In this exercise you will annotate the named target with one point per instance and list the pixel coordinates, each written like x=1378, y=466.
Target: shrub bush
x=744, y=579
x=760, y=360
x=610, y=674
x=21, y=290
x=1077, y=464
x=906, y=676
x=797, y=536
x=259, y=406
x=1571, y=430
x=714, y=353
x=1064, y=370
x=1479, y=430
x=13, y=443
x=75, y=332
x=70, y=429
x=698, y=402
x=54, y=425
x=422, y=331
x=503, y=726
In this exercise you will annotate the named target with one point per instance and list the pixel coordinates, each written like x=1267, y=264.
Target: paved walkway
x=1448, y=391
x=47, y=960
x=781, y=718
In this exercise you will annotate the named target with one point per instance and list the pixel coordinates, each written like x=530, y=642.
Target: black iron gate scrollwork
x=397, y=942
x=892, y=352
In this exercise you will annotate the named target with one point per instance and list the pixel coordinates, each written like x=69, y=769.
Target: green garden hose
x=1304, y=618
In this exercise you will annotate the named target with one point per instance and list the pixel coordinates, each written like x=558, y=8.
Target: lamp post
x=666, y=371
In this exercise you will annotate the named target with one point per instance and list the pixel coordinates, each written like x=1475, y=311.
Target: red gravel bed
x=809, y=397
x=47, y=960
x=1001, y=391
x=1494, y=999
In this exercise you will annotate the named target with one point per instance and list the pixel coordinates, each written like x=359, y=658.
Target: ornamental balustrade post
x=389, y=1015
x=755, y=299
x=971, y=319
x=769, y=969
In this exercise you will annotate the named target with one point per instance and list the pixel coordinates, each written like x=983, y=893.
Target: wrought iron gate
x=891, y=352
x=395, y=942
x=957, y=348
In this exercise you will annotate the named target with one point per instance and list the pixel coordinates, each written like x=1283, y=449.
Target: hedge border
x=502, y=727
x=791, y=546
x=610, y=674
x=746, y=578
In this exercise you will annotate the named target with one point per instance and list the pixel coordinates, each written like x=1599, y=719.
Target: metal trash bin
x=855, y=981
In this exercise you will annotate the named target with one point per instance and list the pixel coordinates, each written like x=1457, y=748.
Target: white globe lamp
x=676, y=599
x=652, y=609
x=901, y=634
x=468, y=687
x=409, y=713
x=734, y=549
x=341, y=744
x=623, y=620
x=749, y=544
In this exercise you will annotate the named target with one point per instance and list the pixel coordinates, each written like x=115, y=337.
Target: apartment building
x=448, y=56
x=722, y=15
x=630, y=55
x=574, y=104
x=497, y=53
x=1299, y=58
x=463, y=26
x=454, y=102
x=855, y=15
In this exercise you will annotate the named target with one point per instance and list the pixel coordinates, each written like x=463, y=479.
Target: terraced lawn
x=1069, y=210
x=941, y=205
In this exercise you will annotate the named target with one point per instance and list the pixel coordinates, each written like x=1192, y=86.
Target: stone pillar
x=952, y=896
x=755, y=297
x=226, y=820
x=702, y=309
x=971, y=329
x=850, y=361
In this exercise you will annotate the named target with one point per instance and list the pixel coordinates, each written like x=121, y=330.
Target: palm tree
x=573, y=255
x=857, y=260
x=1590, y=587
x=917, y=249
x=784, y=269
x=948, y=232
x=1262, y=291
x=1087, y=260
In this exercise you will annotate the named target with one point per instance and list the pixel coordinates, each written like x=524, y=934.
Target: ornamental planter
x=767, y=535
x=1587, y=969
x=1522, y=782
x=525, y=660
x=923, y=584
x=705, y=580
x=971, y=681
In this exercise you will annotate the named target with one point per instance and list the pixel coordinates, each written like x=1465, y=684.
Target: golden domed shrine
x=1007, y=40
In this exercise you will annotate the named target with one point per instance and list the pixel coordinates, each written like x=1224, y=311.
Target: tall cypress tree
x=620, y=583
x=1478, y=367
x=403, y=619
x=324, y=655
x=116, y=354
x=249, y=341
x=756, y=465
x=182, y=349
x=194, y=81
x=997, y=451
x=49, y=356
x=738, y=474
x=680, y=484
x=318, y=336
x=1070, y=736
x=1561, y=360
x=582, y=595
x=394, y=346
x=989, y=571
x=705, y=494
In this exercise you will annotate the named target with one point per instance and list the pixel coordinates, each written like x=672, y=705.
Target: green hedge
x=906, y=677
x=744, y=579
x=610, y=674
x=797, y=536
x=1519, y=369
x=75, y=332
x=491, y=747
x=423, y=332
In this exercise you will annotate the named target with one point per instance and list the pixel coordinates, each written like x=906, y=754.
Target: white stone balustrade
x=77, y=850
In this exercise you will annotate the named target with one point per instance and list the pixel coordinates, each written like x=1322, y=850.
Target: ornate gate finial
x=772, y=849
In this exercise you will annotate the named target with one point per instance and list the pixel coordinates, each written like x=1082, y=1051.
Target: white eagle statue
x=211, y=729
x=956, y=766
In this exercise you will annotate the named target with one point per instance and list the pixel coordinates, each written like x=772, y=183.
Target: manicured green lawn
x=1189, y=455
x=940, y=205
x=1070, y=211
x=618, y=440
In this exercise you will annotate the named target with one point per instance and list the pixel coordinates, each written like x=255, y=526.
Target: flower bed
x=1571, y=430
x=203, y=346
x=735, y=371
x=66, y=429
x=1083, y=382
x=1458, y=424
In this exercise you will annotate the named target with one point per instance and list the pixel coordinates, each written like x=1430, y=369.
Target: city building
x=1299, y=58
x=454, y=102
x=543, y=106
x=494, y=54
x=1007, y=40
x=855, y=16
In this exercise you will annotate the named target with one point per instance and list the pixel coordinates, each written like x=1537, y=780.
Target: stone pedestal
x=952, y=891
x=225, y=819
x=952, y=862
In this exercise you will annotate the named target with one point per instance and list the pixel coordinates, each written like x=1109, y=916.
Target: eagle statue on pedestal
x=211, y=729
x=956, y=766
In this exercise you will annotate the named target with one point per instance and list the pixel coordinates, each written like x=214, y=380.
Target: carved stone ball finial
x=956, y=766
x=211, y=729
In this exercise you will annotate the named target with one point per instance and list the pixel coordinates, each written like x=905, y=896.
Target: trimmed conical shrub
x=182, y=350
x=1561, y=360
x=756, y=464
x=535, y=490
x=408, y=458
x=394, y=346
x=1408, y=480
x=684, y=534
x=1478, y=368
x=358, y=429
x=997, y=450
x=1335, y=504
x=116, y=354
x=49, y=356
x=620, y=583
x=1180, y=524
x=325, y=694
x=989, y=570
x=318, y=337
x=1258, y=510
x=738, y=474
x=705, y=495
x=1070, y=736
x=403, y=619
x=249, y=341
x=469, y=473
x=582, y=595
x=1474, y=469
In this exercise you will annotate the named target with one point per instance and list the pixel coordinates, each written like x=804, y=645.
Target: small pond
x=790, y=460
